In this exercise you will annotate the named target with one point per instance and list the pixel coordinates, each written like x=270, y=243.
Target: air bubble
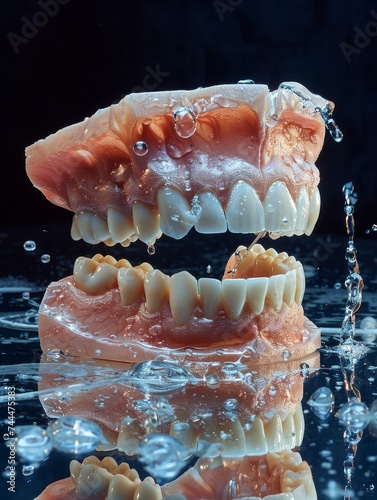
x=212, y=381
x=286, y=354
x=26, y=295
x=33, y=443
x=30, y=245
x=27, y=470
x=230, y=370
x=272, y=391
x=140, y=148
x=45, y=258
x=98, y=352
x=75, y=435
x=163, y=456
x=230, y=404
x=151, y=249
x=184, y=122
x=338, y=286
x=321, y=402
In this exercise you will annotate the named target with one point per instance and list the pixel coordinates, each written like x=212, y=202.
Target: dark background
x=88, y=54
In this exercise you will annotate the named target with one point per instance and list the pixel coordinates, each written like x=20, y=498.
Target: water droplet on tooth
x=140, y=148
x=30, y=245
x=184, y=122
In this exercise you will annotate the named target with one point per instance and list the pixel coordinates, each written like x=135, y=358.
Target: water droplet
x=30, y=245
x=374, y=227
x=286, y=354
x=367, y=231
x=230, y=404
x=151, y=249
x=354, y=415
x=74, y=435
x=27, y=470
x=284, y=220
x=26, y=295
x=338, y=286
x=33, y=443
x=160, y=411
x=272, y=391
x=141, y=405
x=54, y=353
x=304, y=369
x=158, y=376
x=140, y=148
x=45, y=258
x=184, y=122
x=98, y=352
x=212, y=380
x=321, y=402
x=230, y=370
x=208, y=269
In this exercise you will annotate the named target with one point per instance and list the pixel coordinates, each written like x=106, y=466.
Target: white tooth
x=299, y=493
x=146, y=221
x=210, y=296
x=255, y=437
x=131, y=285
x=75, y=231
x=177, y=217
x=275, y=291
x=148, y=491
x=298, y=418
x=289, y=432
x=300, y=283
x=92, y=227
x=280, y=496
x=182, y=429
x=311, y=493
x=130, y=435
x=274, y=434
x=92, y=480
x=92, y=277
x=120, y=225
x=314, y=208
x=234, y=296
x=232, y=439
x=156, y=288
x=212, y=219
x=290, y=287
x=121, y=488
x=279, y=208
x=183, y=297
x=74, y=470
x=256, y=290
x=244, y=212
x=302, y=206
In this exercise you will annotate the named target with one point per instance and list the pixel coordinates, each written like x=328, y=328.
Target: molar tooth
x=92, y=227
x=299, y=493
x=177, y=217
x=148, y=491
x=300, y=283
x=234, y=296
x=92, y=277
x=256, y=290
x=232, y=438
x=183, y=297
x=302, y=206
x=290, y=287
x=274, y=434
x=279, y=208
x=131, y=286
x=275, y=291
x=92, y=480
x=120, y=225
x=146, y=221
x=255, y=437
x=314, y=208
x=299, y=421
x=244, y=212
x=209, y=296
x=212, y=219
x=156, y=288
x=121, y=488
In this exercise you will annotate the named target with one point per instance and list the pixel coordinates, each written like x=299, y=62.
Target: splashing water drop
x=140, y=148
x=45, y=258
x=27, y=470
x=184, y=122
x=230, y=404
x=321, y=402
x=33, y=443
x=158, y=376
x=354, y=415
x=74, y=435
x=30, y=245
x=151, y=249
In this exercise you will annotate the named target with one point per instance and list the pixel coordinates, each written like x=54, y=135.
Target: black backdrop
x=61, y=60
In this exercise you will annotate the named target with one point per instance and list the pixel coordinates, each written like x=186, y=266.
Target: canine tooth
x=156, y=288
x=290, y=287
x=289, y=432
x=275, y=291
x=75, y=231
x=130, y=434
x=244, y=212
x=121, y=488
x=299, y=421
x=182, y=429
x=183, y=297
x=300, y=284
x=234, y=296
x=279, y=208
x=274, y=434
x=92, y=227
x=131, y=286
x=120, y=225
x=92, y=480
x=302, y=206
x=92, y=277
x=255, y=438
x=176, y=215
x=209, y=296
x=212, y=219
x=256, y=290
x=147, y=491
x=146, y=221
x=314, y=208
x=232, y=438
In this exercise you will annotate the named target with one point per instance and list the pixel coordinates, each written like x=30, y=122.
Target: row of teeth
x=184, y=293
x=175, y=216
x=254, y=438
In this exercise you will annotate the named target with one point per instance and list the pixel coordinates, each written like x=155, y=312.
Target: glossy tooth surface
x=209, y=296
x=289, y=432
x=263, y=265
x=131, y=433
x=314, y=208
x=299, y=493
x=256, y=290
x=274, y=434
x=92, y=277
x=92, y=480
x=279, y=208
x=212, y=219
x=176, y=215
x=290, y=287
x=244, y=212
x=255, y=438
x=275, y=291
x=120, y=225
x=92, y=227
x=156, y=288
x=280, y=496
x=75, y=231
x=131, y=285
x=147, y=491
x=182, y=429
x=302, y=206
x=300, y=284
x=121, y=488
x=299, y=421
x=232, y=438
x=146, y=221
x=234, y=295
x=183, y=297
